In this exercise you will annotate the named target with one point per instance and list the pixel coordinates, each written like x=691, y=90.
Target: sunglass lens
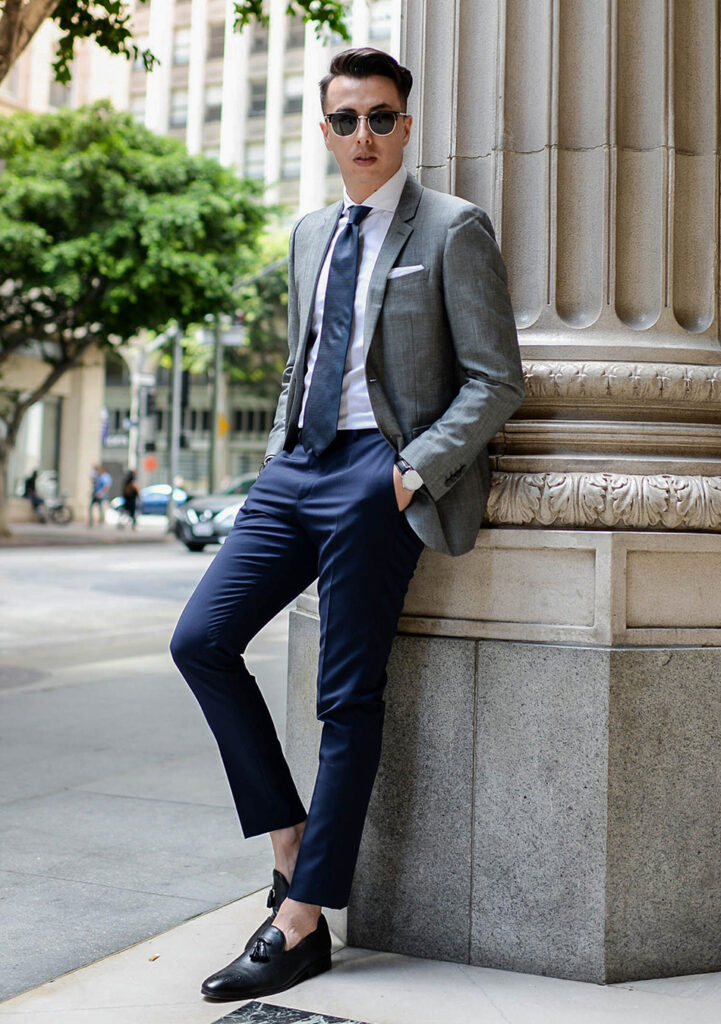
x=382, y=122
x=344, y=124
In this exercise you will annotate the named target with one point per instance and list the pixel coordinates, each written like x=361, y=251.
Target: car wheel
x=194, y=545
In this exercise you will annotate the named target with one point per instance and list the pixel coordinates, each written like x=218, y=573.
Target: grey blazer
x=441, y=352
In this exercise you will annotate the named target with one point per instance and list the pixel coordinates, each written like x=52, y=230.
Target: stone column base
x=547, y=808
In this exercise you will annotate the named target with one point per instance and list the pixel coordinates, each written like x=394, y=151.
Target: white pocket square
x=402, y=271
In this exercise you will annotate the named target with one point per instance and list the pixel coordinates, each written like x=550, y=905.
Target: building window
x=59, y=94
x=137, y=107
x=255, y=160
x=252, y=421
x=181, y=47
x=295, y=36
x=290, y=160
x=256, y=104
x=293, y=91
x=216, y=40
x=205, y=419
x=211, y=151
x=259, y=43
x=381, y=21
x=178, y=108
x=10, y=84
x=213, y=102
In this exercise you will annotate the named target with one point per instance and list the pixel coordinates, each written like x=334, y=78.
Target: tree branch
x=31, y=397
x=18, y=24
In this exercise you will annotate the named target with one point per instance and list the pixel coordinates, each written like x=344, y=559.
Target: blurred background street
x=116, y=818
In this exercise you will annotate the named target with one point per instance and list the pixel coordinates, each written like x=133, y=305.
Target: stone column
x=314, y=155
x=274, y=99
x=80, y=430
x=160, y=41
x=548, y=799
x=196, y=76
x=233, y=120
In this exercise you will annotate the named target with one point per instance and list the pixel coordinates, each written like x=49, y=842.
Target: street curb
x=40, y=535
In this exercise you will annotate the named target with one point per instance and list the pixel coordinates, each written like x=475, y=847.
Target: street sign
x=144, y=380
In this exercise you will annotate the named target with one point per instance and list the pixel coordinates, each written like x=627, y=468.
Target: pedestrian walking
x=35, y=499
x=130, y=500
x=101, y=482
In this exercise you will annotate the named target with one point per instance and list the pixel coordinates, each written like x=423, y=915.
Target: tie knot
x=357, y=213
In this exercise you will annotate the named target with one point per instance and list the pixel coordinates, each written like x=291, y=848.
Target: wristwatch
x=410, y=478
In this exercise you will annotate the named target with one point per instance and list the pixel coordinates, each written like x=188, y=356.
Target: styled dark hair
x=364, y=61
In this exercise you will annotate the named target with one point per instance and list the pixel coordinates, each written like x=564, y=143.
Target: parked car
x=208, y=520
x=153, y=499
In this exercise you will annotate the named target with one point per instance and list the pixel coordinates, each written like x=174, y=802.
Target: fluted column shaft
x=589, y=130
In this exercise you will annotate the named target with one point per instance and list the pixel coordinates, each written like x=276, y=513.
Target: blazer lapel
x=400, y=228
x=313, y=258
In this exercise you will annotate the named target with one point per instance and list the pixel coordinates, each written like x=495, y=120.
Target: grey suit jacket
x=441, y=352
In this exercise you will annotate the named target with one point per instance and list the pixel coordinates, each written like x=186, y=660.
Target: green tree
x=106, y=229
x=262, y=301
x=108, y=23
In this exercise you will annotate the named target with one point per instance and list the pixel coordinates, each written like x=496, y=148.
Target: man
x=101, y=482
x=403, y=365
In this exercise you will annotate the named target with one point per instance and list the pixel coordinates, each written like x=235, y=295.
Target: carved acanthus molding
x=625, y=382
x=605, y=500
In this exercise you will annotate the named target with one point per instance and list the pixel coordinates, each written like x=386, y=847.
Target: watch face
x=411, y=480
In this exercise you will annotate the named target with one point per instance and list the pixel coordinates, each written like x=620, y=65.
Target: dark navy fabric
x=326, y=385
x=333, y=516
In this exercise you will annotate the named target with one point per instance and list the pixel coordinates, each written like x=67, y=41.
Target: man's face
x=366, y=161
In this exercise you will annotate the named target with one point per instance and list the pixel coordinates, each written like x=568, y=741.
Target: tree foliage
x=263, y=302
x=328, y=14
x=108, y=23
x=106, y=228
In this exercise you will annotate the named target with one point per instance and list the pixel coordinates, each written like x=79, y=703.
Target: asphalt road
x=115, y=816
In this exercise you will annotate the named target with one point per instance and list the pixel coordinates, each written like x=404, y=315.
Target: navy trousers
x=335, y=517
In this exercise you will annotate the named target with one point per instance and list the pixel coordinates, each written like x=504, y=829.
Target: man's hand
x=403, y=497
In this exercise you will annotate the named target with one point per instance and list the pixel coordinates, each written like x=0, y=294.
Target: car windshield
x=241, y=485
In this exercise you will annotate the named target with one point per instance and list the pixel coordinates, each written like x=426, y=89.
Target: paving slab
x=157, y=982
x=115, y=812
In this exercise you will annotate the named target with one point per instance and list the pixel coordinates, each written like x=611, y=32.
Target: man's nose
x=363, y=131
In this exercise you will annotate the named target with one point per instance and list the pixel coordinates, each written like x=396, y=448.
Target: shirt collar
x=386, y=197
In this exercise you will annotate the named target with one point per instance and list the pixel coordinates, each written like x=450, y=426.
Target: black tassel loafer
x=268, y=967
x=278, y=892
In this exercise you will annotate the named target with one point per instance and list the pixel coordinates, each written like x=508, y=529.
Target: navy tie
x=320, y=419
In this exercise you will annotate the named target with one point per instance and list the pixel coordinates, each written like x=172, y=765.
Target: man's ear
x=324, y=129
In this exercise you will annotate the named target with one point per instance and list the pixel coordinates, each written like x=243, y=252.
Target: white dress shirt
x=355, y=408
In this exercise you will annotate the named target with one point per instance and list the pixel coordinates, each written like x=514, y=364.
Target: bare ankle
x=296, y=920
x=286, y=844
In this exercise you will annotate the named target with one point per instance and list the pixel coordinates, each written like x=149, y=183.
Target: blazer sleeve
x=485, y=343
x=277, y=431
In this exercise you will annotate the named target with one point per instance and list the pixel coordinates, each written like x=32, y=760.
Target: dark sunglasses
x=380, y=122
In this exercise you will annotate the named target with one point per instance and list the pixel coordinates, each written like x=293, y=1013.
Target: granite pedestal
x=552, y=808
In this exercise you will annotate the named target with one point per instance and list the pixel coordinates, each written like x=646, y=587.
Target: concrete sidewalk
x=151, y=530
x=157, y=982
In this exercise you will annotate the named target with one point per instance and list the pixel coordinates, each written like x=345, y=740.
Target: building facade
x=250, y=100
x=60, y=435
